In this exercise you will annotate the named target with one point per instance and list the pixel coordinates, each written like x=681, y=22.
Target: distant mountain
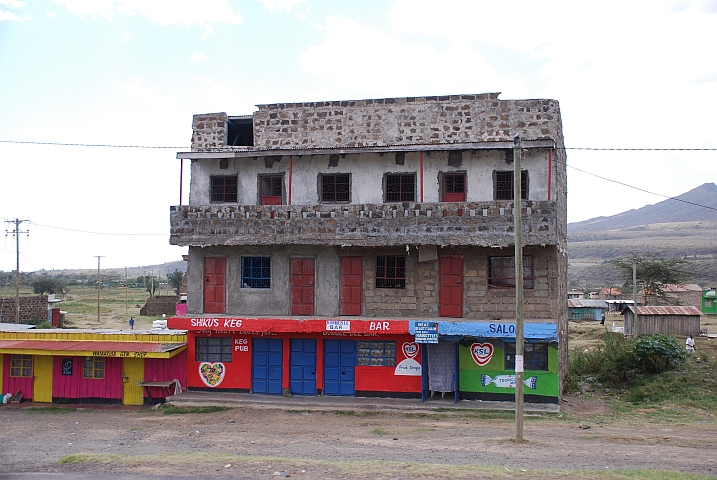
x=667, y=211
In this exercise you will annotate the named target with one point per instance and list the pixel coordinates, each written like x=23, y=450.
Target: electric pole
x=98, y=286
x=518, y=230
x=126, y=294
x=17, y=233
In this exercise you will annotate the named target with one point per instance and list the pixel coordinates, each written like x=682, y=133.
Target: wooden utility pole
x=17, y=233
x=98, y=286
x=518, y=230
x=126, y=292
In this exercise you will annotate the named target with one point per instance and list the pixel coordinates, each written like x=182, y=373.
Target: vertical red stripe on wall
x=13, y=384
x=286, y=367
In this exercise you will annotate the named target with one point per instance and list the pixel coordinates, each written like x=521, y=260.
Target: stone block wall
x=160, y=304
x=31, y=308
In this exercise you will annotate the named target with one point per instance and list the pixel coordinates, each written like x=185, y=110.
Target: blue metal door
x=266, y=366
x=302, y=376
x=339, y=364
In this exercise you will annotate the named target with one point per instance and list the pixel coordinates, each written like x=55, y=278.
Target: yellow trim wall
x=94, y=336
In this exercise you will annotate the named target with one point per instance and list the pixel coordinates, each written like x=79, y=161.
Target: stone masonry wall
x=390, y=121
x=31, y=308
x=471, y=223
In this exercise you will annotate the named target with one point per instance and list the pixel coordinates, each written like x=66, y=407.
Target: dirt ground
x=583, y=441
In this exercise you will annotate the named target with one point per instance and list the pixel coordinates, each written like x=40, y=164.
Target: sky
x=133, y=72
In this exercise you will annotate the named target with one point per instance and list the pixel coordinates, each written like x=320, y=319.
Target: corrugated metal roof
x=86, y=346
x=668, y=310
x=682, y=287
x=586, y=303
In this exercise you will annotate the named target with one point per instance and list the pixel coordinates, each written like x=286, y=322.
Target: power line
x=641, y=149
x=103, y=233
x=88, y=145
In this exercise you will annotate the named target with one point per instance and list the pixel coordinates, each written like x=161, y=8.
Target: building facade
x=354, y=231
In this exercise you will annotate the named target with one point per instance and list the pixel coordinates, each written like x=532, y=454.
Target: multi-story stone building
x=326, y=238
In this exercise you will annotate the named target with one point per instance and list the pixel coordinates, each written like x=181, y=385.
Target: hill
x=683, y=209
x=674, y=229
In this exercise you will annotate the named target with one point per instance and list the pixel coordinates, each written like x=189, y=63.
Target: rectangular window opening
x=503, y=187
x=390, y=271
x=535, y=356
x=400, y=188
x=21, y=365
x=240, y=132
x=454, y=187
x=93, y=367
x=224, y=189
x=213, y=349
x=501, y=272
x=271, y=189
x=256, y=272
x=335, y=188
x=376, y=353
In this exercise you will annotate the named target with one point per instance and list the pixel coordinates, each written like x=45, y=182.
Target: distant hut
x=662, y=319
x=709, y=302
x=586, y=309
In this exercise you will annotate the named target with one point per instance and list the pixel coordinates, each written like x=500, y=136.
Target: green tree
x=175, y=280
x=652, y=274
x=49, y=285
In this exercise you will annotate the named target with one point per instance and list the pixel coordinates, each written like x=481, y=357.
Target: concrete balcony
x=487, y=224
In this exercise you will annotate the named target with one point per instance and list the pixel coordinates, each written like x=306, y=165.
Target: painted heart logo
x=482, y=353
x=212, y=373
x=410, y=349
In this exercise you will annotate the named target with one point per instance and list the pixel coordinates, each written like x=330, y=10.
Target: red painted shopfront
x=302, y=356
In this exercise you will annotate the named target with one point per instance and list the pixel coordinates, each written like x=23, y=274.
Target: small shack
x=709, y=302
x=669, y=320
x=579, y=309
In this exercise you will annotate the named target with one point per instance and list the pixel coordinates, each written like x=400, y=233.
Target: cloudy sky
x=132, y=72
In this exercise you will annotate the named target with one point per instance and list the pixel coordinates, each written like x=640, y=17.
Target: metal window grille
x=93, y=367
x=454, y=183
x=535, y=356
x=501, y=272
x=256, y=272
x=21, y=365
x=390, y=272
x=334, y=188
x=213, y=349
x=504, y=185
x=377, y=354
x=224, y=189
x=400, y=188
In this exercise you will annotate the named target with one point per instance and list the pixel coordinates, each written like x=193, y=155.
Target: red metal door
x=302, y=286
x=215, y=269
x=450, y=293
x=351, y=285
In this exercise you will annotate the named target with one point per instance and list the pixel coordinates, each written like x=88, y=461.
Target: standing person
x=690, y=345
x=131, y=323
x=602, y=319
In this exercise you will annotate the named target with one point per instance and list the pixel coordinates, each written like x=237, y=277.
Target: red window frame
x=454, y=187
x=271, y=189
x=400, y=187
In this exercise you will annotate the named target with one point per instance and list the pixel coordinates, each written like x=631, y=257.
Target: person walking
x=602, y=319
x=690, y=345
x=131, y=323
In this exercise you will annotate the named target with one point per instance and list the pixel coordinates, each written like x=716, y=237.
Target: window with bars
x=390, y=271
x=21, y=365
x=377, y=354
x=400, y=188
x=213, y=349
x=224, y=189
x=503, y=187
x=535, y=356
x=501, y=272
x=271, y=188
x=256, y=272
x=93, y=367
x=335, y=188
x=454, y=187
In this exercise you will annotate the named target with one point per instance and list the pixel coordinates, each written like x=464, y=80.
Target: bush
x=658, y=353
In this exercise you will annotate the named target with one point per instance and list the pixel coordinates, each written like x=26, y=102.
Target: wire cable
x=88, y=145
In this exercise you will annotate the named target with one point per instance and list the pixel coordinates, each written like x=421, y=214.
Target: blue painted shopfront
x=267, y=355
x=339, y=367
x=302, y=376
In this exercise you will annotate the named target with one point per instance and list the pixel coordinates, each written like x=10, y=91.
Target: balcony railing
x=460, y=223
